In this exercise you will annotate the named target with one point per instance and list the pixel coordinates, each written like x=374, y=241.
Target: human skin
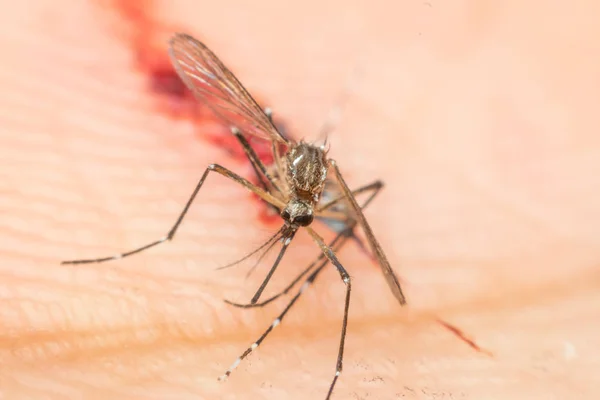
x=480, y=118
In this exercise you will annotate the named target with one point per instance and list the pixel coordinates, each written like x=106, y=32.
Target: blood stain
x=146, y=36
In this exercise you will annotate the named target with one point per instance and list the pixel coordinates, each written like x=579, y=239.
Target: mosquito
x=302, y=184
x=299, y=179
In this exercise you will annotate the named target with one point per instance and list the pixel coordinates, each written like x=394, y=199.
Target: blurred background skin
x=481, y=117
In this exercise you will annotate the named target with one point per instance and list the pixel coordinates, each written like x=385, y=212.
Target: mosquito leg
x=336, y=244
x=346, y=279
x=337, y=225
x=287, y=239
x=255, y=168
x=273, y=325
x=382, y=259
x=374, y=187
x=330, y=255
x=211, y=168
x=389, y=274
x=257, y=164
x=334, y=216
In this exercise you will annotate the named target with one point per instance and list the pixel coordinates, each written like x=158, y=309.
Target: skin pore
x=481, y=120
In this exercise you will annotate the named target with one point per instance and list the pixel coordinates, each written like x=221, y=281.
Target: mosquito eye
x=285, y=215
x=304, y=220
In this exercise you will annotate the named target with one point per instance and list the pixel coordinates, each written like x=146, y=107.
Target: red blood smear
x=461, y=335
x=147, y=38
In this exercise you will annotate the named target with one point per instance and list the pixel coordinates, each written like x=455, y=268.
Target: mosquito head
x=298, y=212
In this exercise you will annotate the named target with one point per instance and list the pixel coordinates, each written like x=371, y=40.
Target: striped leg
x=273, y=325
x=211, y=168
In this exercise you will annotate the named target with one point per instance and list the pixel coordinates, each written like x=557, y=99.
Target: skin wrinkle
x=505, y=249
x=170, y=331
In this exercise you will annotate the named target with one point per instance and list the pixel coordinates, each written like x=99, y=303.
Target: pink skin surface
x=481, y=118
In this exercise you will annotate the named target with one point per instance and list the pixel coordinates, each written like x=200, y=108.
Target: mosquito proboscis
x=297, y=185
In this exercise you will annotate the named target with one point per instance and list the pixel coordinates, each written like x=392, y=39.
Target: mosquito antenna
x=288, y=236
x=264, y=253
x=335, y=113
x=336, y=244
x=271, y=241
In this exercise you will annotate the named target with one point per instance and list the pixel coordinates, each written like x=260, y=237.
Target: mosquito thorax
x=306, y=171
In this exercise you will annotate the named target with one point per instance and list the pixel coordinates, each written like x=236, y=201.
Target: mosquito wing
x=217, y=87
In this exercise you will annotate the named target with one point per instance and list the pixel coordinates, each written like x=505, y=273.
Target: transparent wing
x=213, y=84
